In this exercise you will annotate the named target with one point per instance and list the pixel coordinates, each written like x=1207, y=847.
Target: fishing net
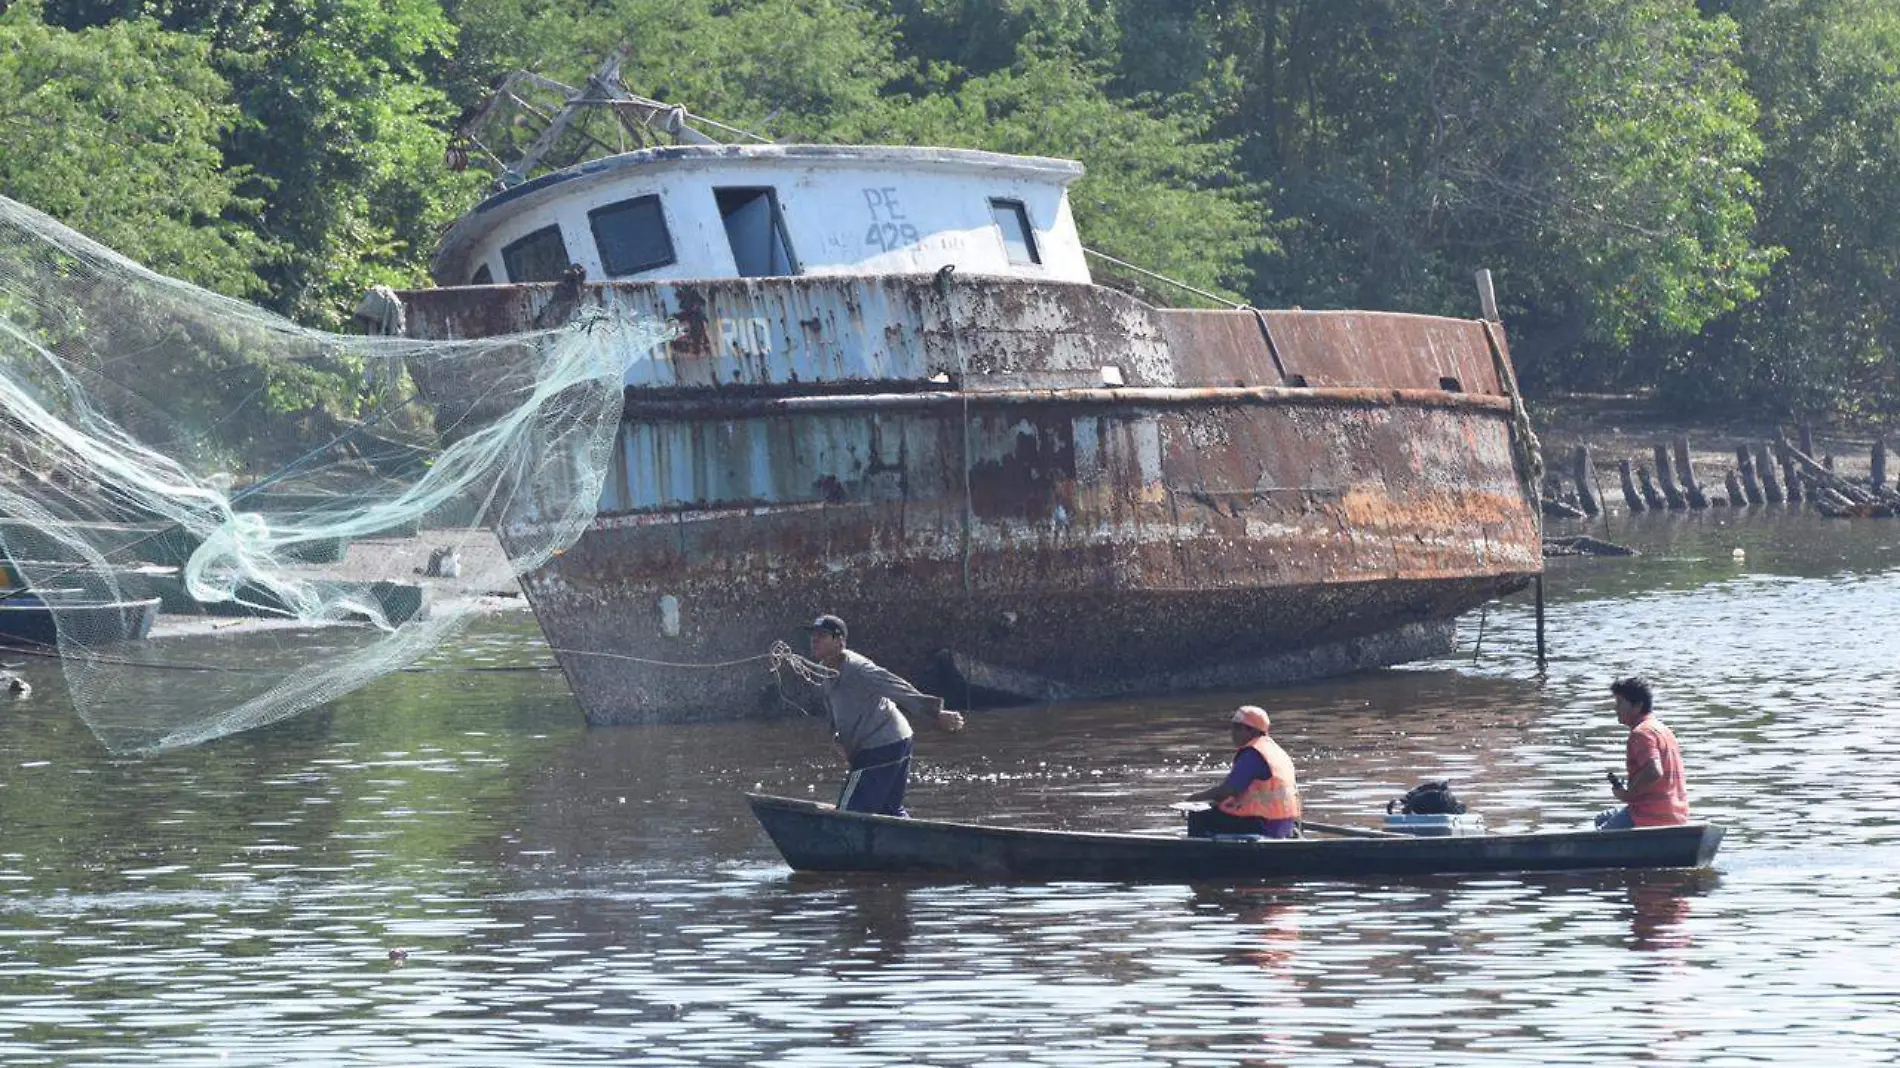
x=275, y=489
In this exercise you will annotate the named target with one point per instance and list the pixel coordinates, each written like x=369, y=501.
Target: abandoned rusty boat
x=896, y=394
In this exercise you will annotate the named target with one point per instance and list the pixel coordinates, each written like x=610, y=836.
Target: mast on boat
x=564, y=137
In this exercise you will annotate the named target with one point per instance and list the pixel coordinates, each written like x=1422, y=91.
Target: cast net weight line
x=780, y=657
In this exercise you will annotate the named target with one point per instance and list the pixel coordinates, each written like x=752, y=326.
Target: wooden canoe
x=817, y=837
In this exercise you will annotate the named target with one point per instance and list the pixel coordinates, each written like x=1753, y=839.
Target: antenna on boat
x=564, y=135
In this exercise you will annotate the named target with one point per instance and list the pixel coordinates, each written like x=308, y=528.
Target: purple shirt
x=1249, y=765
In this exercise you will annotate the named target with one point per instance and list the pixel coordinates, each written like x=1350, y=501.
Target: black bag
x=1428, y=799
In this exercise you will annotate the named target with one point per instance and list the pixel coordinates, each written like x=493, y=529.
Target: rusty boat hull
x=1017, y=490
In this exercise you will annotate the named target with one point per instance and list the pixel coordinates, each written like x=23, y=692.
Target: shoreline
x=1621, y=426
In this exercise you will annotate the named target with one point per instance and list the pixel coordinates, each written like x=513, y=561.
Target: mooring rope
x=1215, y=297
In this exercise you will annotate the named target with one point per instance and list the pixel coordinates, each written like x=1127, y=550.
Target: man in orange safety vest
x=1260, y=795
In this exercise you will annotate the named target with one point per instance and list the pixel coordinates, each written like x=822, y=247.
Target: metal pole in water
x=1540, y=622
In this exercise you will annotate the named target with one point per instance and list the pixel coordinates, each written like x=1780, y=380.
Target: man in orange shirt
x=1654, y=795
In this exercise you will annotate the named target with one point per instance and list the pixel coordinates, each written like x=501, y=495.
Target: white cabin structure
x=747, y=211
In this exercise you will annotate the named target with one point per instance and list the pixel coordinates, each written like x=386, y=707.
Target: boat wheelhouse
x=760, y=211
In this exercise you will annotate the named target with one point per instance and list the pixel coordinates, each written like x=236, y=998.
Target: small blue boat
x=39, y=617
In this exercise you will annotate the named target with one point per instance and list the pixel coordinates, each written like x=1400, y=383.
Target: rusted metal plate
x=1089, y=549
x=826, y=333
x=1221, y=348
x=1384, y=349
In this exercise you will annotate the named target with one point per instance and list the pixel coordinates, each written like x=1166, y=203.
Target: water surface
x=575, y=896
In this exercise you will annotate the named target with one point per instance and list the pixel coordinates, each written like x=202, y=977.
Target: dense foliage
x=116, y=130
x=1694, y=197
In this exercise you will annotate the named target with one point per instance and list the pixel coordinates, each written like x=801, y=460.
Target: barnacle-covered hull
x=1017, y=490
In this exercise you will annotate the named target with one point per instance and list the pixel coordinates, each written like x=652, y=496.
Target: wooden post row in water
x=1580, y=472
x=1754, y=480
x=1630, y=497
x=1655, y=500
x=1677, y=502
x=1770, y=488
x=1745, y=466
x=1790, y=472
x=1685, y=468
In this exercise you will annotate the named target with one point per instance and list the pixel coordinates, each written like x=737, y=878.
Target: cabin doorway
x=756, y=230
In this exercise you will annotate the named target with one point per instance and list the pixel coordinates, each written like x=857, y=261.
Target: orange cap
x=1252, y=716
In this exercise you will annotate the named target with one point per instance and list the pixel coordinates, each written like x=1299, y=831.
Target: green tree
x=1824, y=335
x=115, y=131
x=342, y=137
x=350, y=142
x=1596, y=153
x=785, y=69
x=975, y=38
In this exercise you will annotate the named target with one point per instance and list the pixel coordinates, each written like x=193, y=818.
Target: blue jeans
x=877, y=780
x=1615, y=819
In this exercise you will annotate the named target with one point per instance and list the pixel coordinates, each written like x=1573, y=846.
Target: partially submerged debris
x=1584, y=545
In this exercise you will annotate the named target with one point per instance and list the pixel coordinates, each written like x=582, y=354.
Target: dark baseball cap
x=831, y=625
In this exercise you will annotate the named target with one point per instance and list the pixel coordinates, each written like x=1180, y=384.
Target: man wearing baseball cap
x=1260, y=795
x=865, y=703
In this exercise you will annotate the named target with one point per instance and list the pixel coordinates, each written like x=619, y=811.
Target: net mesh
x=169, y=448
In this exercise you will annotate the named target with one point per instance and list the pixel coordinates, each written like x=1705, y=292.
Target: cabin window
x=756, y=229
x=632, y=236
x=539, y=257
x=482, y=276
x=1019, y=239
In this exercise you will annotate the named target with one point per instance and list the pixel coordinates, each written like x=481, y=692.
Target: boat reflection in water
x=1660, y=906
x=1266, y=921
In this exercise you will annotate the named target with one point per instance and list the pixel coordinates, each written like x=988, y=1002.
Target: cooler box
x=1437, y=826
